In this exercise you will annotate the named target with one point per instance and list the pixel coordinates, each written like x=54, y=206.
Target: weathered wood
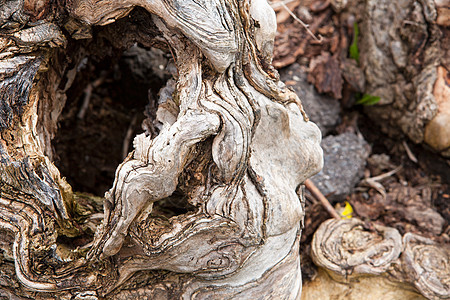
x=427, y=266
x=401, y=51
x=238, y=145
x=351, y=248
x=15, y=72
x=359, y=254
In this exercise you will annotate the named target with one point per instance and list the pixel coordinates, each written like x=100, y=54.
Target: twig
x=86, y=100
x=323, y=200
x=127, y=139
x=369, y=182
x=409, y=152
x=87, y=96
x=306, y=26
x=373, y=181
x=386, y=175
x=276, y=5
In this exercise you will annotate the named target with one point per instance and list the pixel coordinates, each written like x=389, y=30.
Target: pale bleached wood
x=352, y=248
x=253, y=139
x=359, y=254
x=427, y=265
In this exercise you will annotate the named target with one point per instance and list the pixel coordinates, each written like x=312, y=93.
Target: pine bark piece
x=326, y=75
x=351, y=248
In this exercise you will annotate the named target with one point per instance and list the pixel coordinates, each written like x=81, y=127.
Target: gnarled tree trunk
x=405, y=61
x=363, y=259
x=234, y=142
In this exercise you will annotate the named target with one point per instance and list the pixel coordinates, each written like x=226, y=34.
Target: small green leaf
x=368, y=100
x=353, y=49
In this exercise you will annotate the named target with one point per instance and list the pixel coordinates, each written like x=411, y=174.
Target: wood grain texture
x=427, y=265
x=352, y=248
x=235, y=144
x=238, y=145
x=16, y=78
x=361, y=255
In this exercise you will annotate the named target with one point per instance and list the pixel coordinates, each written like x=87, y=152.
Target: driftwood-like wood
x=351, y=249
x=427, y=265
x=238, y=145
x=403, y=57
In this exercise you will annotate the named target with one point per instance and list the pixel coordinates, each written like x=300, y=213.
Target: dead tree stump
x=235, y=143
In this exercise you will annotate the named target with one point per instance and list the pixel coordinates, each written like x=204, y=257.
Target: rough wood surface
x=352, y=248
x=235, y=144
x=427, y=265
x=358, y=254
x=238, y=145
x=400, y=53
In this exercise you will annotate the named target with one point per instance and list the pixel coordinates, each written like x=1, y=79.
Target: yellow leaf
x=347, y=212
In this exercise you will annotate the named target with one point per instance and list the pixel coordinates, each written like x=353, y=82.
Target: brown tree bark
x=404, y=56
x=234, y=141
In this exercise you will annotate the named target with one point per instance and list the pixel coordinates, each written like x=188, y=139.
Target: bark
x=405, y=61
x=235, y=141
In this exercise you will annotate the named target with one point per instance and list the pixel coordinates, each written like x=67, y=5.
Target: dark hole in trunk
x=104, y=111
